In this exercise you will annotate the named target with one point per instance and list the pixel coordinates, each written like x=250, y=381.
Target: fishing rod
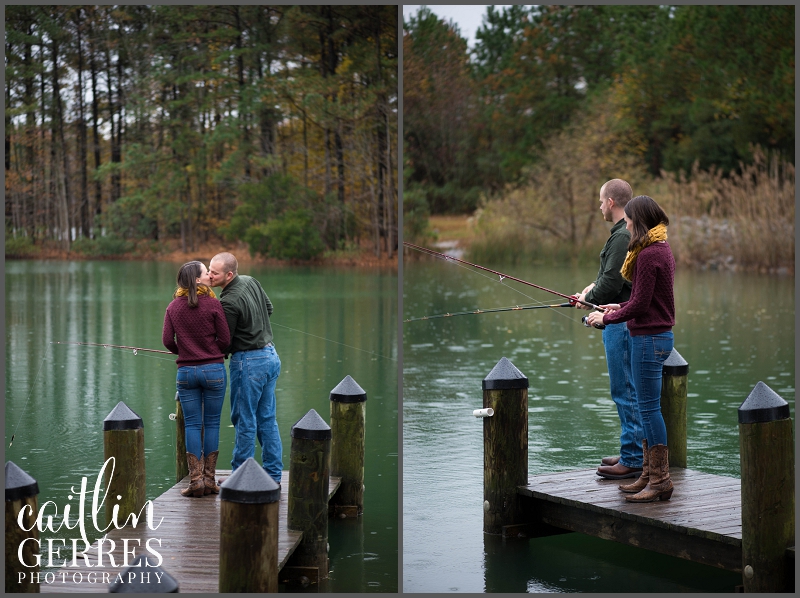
x=107, y=346
x=488, y=311
x=502, y=276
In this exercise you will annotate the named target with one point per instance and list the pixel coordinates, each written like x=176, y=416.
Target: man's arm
x=266, y=298
x=609, y=282
x=232, y=317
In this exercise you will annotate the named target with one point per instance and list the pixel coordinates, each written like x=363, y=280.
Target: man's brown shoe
x=618, y=471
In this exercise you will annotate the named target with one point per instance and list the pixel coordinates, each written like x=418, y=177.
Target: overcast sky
x=468, y=17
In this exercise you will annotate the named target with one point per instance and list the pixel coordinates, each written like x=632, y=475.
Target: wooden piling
x=144, y=577
x=309, y=471
x=505, y=446
x=21, y=491
x=348, y=417
x=181, y=465
x=766, y=446
x=123, y=439
x=675, y=372
x=248, y=539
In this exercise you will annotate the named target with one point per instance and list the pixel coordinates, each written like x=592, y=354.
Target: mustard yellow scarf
x=655, y=234
x=201, y=290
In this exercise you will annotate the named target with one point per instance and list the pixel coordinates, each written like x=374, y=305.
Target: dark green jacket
x=247, y=310
x=610, y=287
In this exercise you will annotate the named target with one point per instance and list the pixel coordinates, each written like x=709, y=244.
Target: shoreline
x=692, y=247
x=362, y=258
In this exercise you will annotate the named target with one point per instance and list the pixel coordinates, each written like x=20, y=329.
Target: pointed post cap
x=504, y=376
x=348, y=391
x=18, y=483
x=250, y=485
x=163, y=583
x=122, y=418
x=311, y=427
x=763, y=405
x=675, y=365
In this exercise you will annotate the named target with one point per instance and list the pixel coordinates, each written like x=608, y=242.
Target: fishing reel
x=585, y=320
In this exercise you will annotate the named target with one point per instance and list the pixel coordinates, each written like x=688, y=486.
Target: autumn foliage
x=555, y=100
x=130, y=126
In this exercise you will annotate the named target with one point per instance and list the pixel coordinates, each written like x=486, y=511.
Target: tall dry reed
x=742, y=221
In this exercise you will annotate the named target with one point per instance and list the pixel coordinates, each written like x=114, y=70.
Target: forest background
x=141, y=129
x=693, y=105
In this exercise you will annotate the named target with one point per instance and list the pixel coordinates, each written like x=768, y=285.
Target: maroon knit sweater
x=651, y=308
x=201, y=332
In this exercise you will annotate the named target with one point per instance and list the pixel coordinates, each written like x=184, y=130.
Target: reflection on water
x=327, y=324
x=729, y=339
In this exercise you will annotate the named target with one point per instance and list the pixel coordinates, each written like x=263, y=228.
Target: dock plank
x=191, y=558
x=701, y=522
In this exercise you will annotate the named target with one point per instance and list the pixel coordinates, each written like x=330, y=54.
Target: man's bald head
x=618, y=190
x=222, y=269
x=228, y=262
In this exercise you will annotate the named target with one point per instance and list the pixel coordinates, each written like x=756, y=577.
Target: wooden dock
x=702, y=522
x=189, y=547
x=744, y=525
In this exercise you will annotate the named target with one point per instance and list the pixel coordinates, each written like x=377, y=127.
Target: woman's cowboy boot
x=196, y=486
x=639, y=484
x=209, y=471
x=659, y=486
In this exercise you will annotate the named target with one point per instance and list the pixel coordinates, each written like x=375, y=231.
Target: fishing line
x=106, y=346
x=492, y=279
x=489, y=311
x=538, y=302
x=496, y=273
x=333, y=341
x=29, y=396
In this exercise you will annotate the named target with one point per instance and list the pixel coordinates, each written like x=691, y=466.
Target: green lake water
x=734, y=330
x=328, y=323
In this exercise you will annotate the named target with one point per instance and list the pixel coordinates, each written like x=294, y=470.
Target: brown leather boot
x=659, y=487
x=209, y=471
x=196, y=486
x=639, y=484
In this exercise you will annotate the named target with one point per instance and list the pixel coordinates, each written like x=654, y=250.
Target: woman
x=196, y=330
x=650, y=316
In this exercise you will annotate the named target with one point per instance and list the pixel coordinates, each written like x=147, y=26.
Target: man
x=254, y=364
x=610, y=287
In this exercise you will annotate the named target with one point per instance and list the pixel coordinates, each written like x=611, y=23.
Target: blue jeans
x=617, y=342
x=648, y=354
x=201, y=390
x=253, y=378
